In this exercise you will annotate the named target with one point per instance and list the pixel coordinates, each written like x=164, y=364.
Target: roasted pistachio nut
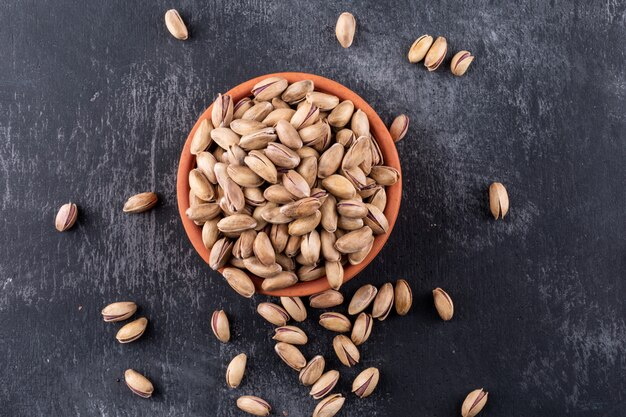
x=254, y=405
x=297, y=91
x=399, y=127
x=138, y=383
x=365, y=382
x=279, y=281
x=443, y=304
x=290, y=334
x=498, y=200
x=384, y=175
x=461, y=62
x=323, y=101
x=198, y=183
x=346, y=350
x=143, y=202
x=403, y=297
x=202, y=137
x=312, y=371
x=132, y=331
x=220, y=253
x=326, y=299
x=335, y=322
x=354, y=241
x=119, y=311
x=273, y=313
x=210, y=233
x=436, y=54
x=334, y=274
x=362, y=299
x=239, y=281
x=419, y=48
x=175, y=25
x=329, y=406
x=291, y=355
x=341, y=114
x=269, y=88
x=236, y=369
x=222, y=114
x=324, y=384
x=66, y=217
x=383, y=303
x=295, y=307
x=474, y=403
x=220, y=326
x=242, y=107
x=362, y=329
x=345, y=29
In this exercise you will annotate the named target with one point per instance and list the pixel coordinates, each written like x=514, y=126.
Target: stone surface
x=96, y=100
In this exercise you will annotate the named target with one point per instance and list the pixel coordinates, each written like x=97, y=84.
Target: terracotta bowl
x=378, y=129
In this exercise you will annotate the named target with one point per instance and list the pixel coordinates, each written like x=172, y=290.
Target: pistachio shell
x=297, y=91
x=279, y=281
x=436, y=54
x=403, y=297
x=326, y=299
x=365, y=382
x=222, y=113
x=443, y=304
x=474, y=403
x=220, y=326
x=345, y=28
x=334, y=273
x=383, y=302
x=346, y=351
x=258, y=268
x=132, y=331
x=341, y=115
x=312, y=371
x=461, y=62
x=236, y=369
x=119, y=311
x=362, y=328
x=269, y=88
x=399, y=127
x=498, y=200
x=362, y=299
x=290, y=334
x=258, y=111
x=66, y=217
x=354, y=241
x=239, y=281
x=419, y=48
x=273, y=313
x=175, y=25
x=324, y=384
x=144, y=202
x=220, y=253
x=254, y=405
x=335, y=322
x=291, y=355
x=138, y=383
x=295, y=307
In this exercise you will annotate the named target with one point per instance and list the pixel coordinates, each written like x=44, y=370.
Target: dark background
x=96, y=100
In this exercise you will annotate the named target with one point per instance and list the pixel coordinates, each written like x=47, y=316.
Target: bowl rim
x=382, y=137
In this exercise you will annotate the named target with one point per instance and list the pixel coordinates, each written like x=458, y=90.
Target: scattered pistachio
x=66, y=217
x=362, y=298
x=119, y=311
x=345, y=28
x=273, y=313
x=399, y=127
x=132, y=331
x=362, y=329
x=403, y=297
x=312, y=371
x=236, y=369
x=365, y=382
x=291, y=355
x=138, y=383
x=436, y=54
x=254, y=405
x=220, y=326
x=383, y=302
x=335, y=322
x=419, y=48
x=498, y=200
x=346, y=351
x=326, y=299
x=325, y=384
x=443, y=304
x=290, y=334
x=175, y=25
x=474, y=403
x=329, y=406
x=461, y=62
x=295, y=307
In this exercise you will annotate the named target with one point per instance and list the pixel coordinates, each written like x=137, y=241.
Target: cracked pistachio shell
x=403, y=297
x=222, y=113
x=236, y=369
x=244, y=245
x=362, y=299
x=263, y=249
x=365, y=382
x=379, y=198
x=290, y=334
x=443, y=304
x=301, y=208
x=239, y=281
x=352, y=208
x=330, y=160
x=254, y=405
x=419, y=48
x=241, y=107
x=324, y=384
x=461, y=62
x=474, y=403
x=384, y=175
x=310, y=272
x=269, y=88
x=354, y=241
x=334, y=274
x=376, y=220
x=362, y=328
x=258, y=140
x=279, y=236
x=202, y=138
x=498, y=200
x=383, y=303
x=145, y=201
x=305, y=115
x=288, y=135
x=279, y=281
x=323, y=101
x=273, y=313
x=346, y=137
x=258, y=111
x=278, y=114
x=132, y=331
x=346, y=351
x=330, y=253
x=220, y=253
x=296, y=184
x=335, y=322
x=399, y=127
x=436, y=54
x=312, y=371
x=205, y=162
x=258, y=268
x=345, y=28
x=119, y=311
x=138, y=384
x=236, y=223
x=291, y=355
x=244, y=127
x=244, y=176
x=295, y=307
x=66, y=217
x=360, y=124
x=305, y=225
x=175, y=25
x=329, y=214
x=262, y=166
x=278, y=103
x=341, y=115
x=203, y=212
x=220, y=326
x=326, y=299
x=310, y=248
x=224, y=137
x=282, y=156
x=308, y=170
x=297, y=91
x=356, y=258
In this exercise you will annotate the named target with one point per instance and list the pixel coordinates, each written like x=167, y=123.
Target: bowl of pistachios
x=289, y=184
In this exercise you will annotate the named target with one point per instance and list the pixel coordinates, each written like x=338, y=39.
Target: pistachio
x=305, y=225
x=224, y=137
x=376, y=220
x=308, y=170
x=474, y=403
x=263, y=249
x=346, y=137
x=287, y=263
x=385, y=175
x=239, y=281
x=279, y=281
x=341, y=114
x=301, y=208
x=244, y=127
x=403, y=297
x=254, y=405
x=220, y=326
x=354, y=241
x=220, y=253
x=291, y=355
x=274, y=216
x=258, y=268
x=330, y=161
x=254, y=196
x=335, y=322
x=287, y=134
x=279, y=236
x=436, y=54
x=334, y=274
x=244, y=246
x=132, y=331
x=316, y=134
x=269, y=88
x=262, y=166
x=352, y=208
x=362, y=299
x=324, y=384
x=345, y=28
x=273, y=313
x=242, y=107
x=66, y=217
x=346, y=351
x=305, y=116
x=203, y=212
x=379, y=199
x=383, y=302
x=329, y=406
x=326, y=299
x=258, y=140
x=419, y=48
x=329, y=216
x=349, y=223
x=365, y=382
x=399, y=127
x=138, y=383
x=312, y=371
x=461, y=62
x=206, y=163
x=360, y=124
x=296, y=185
x=236, y=223
x=290, y=334
x=310, y=272
x=323, y=101
x=236, y=369
x=222, y=113
x=119, y=311
x=278, y=194
x=297, y=91
x=498, y=200
x=282, y=156
x=280, y=104
x=330, y=253
x=362, y=328
x=307, y=151
x=259, y=111
x=202, y=137
x=175, y=25
x=310, y=248
x=339, y=186
x=295, y=307
x=443, y=304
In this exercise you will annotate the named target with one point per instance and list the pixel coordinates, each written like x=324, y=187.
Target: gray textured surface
x=96, y=100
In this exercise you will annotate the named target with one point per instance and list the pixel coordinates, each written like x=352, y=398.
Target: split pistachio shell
x=334, y=274
x=273, y=313
x=403, y=297
x=326, y=299
x=297, y=91
x=132, y=331
x=220, y=253
x=443, y=304
x=244, y=126
x=383, y=302
x=66, y=217
x=291, y=355
x=290, y=334
x=138, y=383
x=346, y=351
x=399, y=127
x=305, y=116
x=376, y=220
x=345, y=28
x=198, y=182
x=384, y=175
x=143, y=202
x=325, y=384
x=354, y=241
x=329, y=406
x=323, y=101
x=356, y=258
x=419, y=48
x=498, y=200
x=269, y=88
x=335, y=322
x=312, y=371
x=220, y=326
x=362, y=329
x=295, y=307
x=176, y=25
x=461, y=62
x=239, y=281
x=222, y=115
x=296, y=184
x=436, y=54
x=242, y=107
x=362, y=299
x=263, y=249
x=365, y=382
x=254, y=405
x=119, y=311
x=236, y=369
x=474, y=403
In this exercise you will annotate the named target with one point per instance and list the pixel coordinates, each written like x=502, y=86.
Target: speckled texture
x=96, y=100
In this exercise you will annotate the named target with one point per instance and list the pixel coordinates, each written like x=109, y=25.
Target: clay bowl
x=378, y=129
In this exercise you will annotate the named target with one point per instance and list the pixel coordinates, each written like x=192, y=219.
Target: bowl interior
x=380, y=133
